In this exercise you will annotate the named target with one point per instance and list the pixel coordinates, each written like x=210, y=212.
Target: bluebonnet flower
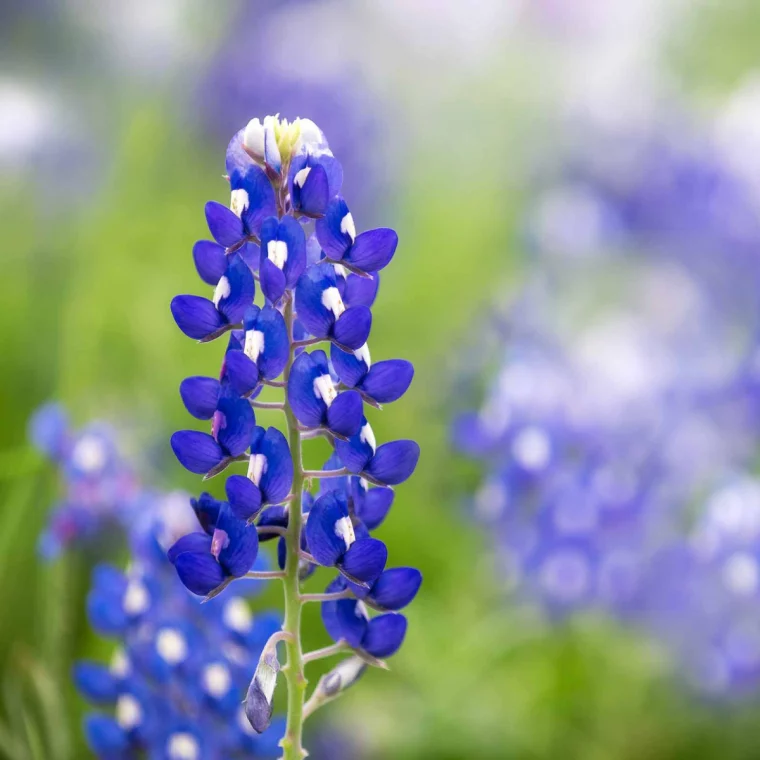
x=101, y=490
x=175, y=685
x=180, y=670
x=607, y=425
x=317, y=287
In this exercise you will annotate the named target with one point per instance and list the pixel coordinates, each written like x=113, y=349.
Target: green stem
x=292, y=747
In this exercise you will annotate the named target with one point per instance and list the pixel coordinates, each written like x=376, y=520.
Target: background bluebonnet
x=620, y=430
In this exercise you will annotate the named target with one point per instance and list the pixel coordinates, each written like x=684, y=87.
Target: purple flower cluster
x=175, y=685
x=289, y=230
x=621, y=428
x=100, y=489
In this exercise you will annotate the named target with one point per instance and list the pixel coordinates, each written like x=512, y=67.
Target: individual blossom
x=318, y=279
x=315, y=400
x=226, y=549
x=322, y=312
x=332, y=540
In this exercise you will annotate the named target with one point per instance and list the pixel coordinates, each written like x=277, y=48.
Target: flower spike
x=289, y=227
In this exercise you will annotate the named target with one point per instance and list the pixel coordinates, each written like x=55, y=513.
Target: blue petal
x=250, y=254
x=360, y=291
x=307, y=407
x=352, y=327
x=206, y=509
x=394, y=462
x=373, y=507
x=261, y=198
x=237, y=161
x=244, y=497
x=238, y=556
x=330, y=609
x=199, y=572
x=315, y=316
x=358, y=450
x=327, y=515
x=277, y=479
x=350, y=369
x=350, y=621
x=241, y=373
x=334, y=172
x=310, y=196
x=384, y=635
x=197, y=452
x=225, y=226
x=48, y=429
x=105, y=737
x=373, y=249
x=96, y=682
x=234, y=421
x=396, y=587
x=276, y=343
x=334, y=241
x=197, y=317
x=273, y=281
x=388, y=380
x=333, y=484
x=200, y=396
x=241, y=287
x=365, y=559
x=210, y=261
x=344, y=415
x=195, y=543
x=291, y=233
x=105, y=611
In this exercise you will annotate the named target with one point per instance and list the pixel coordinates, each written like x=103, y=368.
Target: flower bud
x=341, y=677
x=258, y=700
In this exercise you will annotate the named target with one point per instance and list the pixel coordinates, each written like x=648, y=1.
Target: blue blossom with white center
x=388, y=464
x=369, y=251
x=315, y=400
x=322, y=312
x=332, y=541
x=318, y=280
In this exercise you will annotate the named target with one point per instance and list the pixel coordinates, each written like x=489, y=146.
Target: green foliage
x=85, y=319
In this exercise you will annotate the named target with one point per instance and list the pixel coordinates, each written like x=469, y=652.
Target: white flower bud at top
x=311, y=140
x=253, y=138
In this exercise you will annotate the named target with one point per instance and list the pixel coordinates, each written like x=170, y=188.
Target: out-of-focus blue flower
x=100, y=490
x=175, y=684
x=620, y=429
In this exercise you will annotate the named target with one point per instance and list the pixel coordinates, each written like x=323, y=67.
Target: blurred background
x=576, y=187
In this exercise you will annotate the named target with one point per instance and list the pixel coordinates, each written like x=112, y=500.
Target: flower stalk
x=292, y=743
x=318, y=291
